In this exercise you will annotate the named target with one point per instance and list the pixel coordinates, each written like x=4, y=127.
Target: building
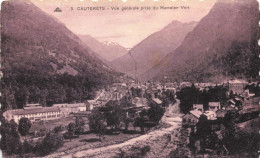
x=34, y=112
x=214, y=106
x=90, y=104
x=221, y=113
x=170, y=87
x=231, y=102
x=67, y=109
x=211, y=115
x=198, y=107
x=140, y=102
x=117, y=95
x=192, y=117
x=236, y=86
x=157, y=101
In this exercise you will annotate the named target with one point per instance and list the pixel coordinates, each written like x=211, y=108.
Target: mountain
x=222, y=45
x=107, y=50
x=152, y=49
x=43, y=61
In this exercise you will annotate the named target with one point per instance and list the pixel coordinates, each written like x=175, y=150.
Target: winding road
x=171, y=116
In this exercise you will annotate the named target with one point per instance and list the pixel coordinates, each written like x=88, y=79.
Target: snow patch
x=108, y=43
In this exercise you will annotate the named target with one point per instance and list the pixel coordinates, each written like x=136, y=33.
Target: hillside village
x=133, y=99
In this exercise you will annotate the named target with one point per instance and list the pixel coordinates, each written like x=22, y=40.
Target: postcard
x=130, y=78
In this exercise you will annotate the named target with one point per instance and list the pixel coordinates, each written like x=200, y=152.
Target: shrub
x=24, y=126
x=51, y=142
x=10, y=140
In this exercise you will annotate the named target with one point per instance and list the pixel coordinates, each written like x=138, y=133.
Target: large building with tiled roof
x=67, y=109
x=34, y=112
x=237, y=86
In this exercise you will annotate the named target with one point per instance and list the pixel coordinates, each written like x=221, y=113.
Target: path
x=170, y=117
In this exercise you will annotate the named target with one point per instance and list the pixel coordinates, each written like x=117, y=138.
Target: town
x=208, y=114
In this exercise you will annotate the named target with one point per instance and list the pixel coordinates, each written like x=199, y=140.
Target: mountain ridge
x=106, y=50
x=41, y=56
x=152, y=49
x=225, y=25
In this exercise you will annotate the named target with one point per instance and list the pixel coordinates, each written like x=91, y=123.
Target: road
x=169, y=117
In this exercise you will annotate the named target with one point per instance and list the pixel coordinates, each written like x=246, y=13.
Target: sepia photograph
x=130, y=79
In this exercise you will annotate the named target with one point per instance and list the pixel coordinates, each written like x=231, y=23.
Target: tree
x=43, y=96
x=138, y=92
x=79, y=123
x=114, y=117
x=97, y=122
x=165, y=102
x=10, y=140
x=133, y=92
x=51, y=142
x=155, y=112
x=203, y=130
x=71, y=129
x=229, y=129
x=8, y=99
x=35, y=94
x=27, y=96
x=24, y=126
x=148, y=96
x=20, y=95
x=27, y=147
x=127, y=120
x=188, y=96
x=57, y=129
x=140, y=121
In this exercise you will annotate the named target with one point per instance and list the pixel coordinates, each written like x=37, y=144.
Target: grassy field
x=91, y=140
x=49, y=125
x=88, y=139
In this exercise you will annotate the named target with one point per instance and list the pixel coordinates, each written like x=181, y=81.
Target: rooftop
x=69, y=105
x=30, y=105
x=196, y=113
x=214, y=103
x=237, y=81
x=34, y=111
x=156, y=100
x=208, y=113
x=198, y=105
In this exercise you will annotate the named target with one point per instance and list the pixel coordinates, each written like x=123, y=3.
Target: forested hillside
x=43, y=62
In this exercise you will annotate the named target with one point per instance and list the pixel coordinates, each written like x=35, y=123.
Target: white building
x=237, y=86
x=34, y=112
x=211, y=115
x=67, y=109
x=198, y=107
x=214, y=106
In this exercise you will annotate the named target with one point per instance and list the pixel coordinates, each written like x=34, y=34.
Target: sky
x=128, y=27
